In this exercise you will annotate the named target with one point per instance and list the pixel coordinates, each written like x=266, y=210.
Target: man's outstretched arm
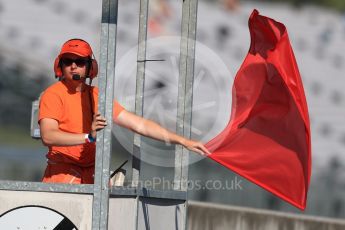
x=153, y=130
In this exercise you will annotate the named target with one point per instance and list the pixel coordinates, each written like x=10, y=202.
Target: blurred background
x=32, y=31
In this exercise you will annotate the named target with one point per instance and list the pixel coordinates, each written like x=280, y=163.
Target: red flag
x=267, y=139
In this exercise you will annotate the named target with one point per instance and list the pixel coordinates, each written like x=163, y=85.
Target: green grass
x=17, y=136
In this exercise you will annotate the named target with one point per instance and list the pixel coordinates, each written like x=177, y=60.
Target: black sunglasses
x=80, y=62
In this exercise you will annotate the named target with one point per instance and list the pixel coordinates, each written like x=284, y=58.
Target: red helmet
x=78, y=47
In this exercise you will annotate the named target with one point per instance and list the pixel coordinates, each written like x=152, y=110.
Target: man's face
x=73, y=64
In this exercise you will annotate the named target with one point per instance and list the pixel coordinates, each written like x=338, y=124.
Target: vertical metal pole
x=185, y=90
x=140, y=82
x=185, y=94
x=105, y=107
x=139, y=97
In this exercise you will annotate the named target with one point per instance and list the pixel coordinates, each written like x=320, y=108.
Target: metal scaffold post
x=100, y=208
